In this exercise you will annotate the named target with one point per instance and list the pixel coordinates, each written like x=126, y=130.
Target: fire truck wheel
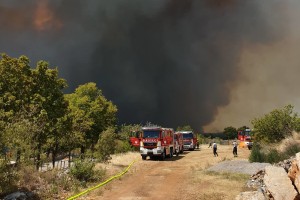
x=181, y=150
x=144, y=157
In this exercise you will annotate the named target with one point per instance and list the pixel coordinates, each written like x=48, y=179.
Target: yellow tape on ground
x=103, y=183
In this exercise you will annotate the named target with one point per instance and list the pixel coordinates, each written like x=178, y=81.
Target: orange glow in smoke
x=44, y=18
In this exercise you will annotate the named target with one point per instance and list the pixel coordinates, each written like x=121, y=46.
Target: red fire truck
x=135, y=138
x=178, y=143
x=157, y=142
x=244, y=137
x=189, y=140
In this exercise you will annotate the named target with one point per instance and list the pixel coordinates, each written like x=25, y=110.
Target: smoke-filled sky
x=206, y=63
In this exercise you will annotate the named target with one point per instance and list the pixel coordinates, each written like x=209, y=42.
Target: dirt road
x=178, y=178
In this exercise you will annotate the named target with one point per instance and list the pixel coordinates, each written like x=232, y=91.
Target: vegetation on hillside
x=270, y=131
x=276, y=125
x=39, y=123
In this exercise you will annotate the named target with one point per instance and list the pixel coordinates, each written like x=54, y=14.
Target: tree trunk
x=18, y=156
x=38, y=156
x=82, y=151
x=69, y=161
x=53, y=157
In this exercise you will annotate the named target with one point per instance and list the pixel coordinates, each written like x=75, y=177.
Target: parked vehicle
x=135, y=138
x=157, y=142
x=178, y=143
x=244, y=137
x=189, y=140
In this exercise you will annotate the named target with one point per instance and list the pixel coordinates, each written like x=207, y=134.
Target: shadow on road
x=174, y=158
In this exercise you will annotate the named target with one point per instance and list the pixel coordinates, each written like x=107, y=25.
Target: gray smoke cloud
x=170, y=62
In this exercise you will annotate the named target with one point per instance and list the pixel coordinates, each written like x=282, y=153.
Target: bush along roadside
x=272, y=155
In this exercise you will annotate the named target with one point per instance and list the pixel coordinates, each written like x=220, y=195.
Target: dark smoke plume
x=170, y=62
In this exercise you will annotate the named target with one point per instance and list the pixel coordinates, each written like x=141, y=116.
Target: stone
x=279, y=184
x=293, y=171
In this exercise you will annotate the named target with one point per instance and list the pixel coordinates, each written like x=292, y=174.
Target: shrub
x=82, y=170
x=106, y=145
x=273, y=156
x=123, y=146
x=256, y=155
x=99, y=174
x=8, y=177
x=291, y=150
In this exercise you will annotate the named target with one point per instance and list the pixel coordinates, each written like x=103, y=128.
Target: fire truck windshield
x=151, y=134
x=188, y=135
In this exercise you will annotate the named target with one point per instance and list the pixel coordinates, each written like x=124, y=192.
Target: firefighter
x=234, y=151
x=214, y=145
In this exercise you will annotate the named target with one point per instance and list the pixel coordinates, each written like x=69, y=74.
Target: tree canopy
x=230, y=132
x=31, y=103
x=276, y=125
x=184, y=128
x=91, y=112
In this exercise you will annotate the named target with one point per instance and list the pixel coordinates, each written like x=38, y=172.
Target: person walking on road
x=234, y=151
x=214, y=145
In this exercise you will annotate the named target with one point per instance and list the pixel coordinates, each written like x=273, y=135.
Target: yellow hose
x=103, y=183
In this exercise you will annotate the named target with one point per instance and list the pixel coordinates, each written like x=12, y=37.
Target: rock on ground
x=279, y=184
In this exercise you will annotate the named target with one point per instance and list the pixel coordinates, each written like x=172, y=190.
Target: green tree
x=242, y=128
x=50, y=104
x=106, y=144
x=276, y=125
x=91, y=113
x=15, y=84
x=230, y=132
x=184, y=128
x=33, y=93
x=126, y=131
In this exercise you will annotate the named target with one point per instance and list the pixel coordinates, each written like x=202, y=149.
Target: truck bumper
x=151, y=152
x=188, y=147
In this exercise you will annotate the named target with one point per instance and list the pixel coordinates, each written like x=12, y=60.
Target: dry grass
x=219, y=185
x=119, y=162
x=294, y=139
x=213, y=185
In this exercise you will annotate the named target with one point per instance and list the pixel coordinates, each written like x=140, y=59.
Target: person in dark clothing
x=214, y=145
x=234, y=151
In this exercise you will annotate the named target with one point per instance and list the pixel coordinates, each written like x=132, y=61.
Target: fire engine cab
x=157, y=142
x=189, y=140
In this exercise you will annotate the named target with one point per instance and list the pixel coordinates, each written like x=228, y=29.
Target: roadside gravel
x=239, y=166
